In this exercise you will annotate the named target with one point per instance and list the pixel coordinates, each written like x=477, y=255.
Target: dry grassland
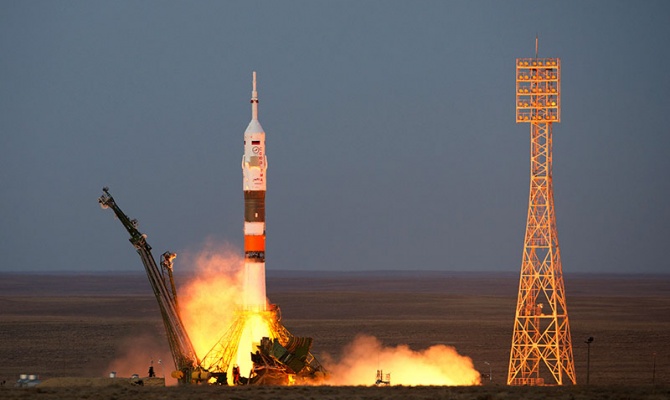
x=78, y=325
x=123, y=392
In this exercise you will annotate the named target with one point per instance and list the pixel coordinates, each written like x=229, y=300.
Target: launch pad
x=275, y=355
x=279, y=358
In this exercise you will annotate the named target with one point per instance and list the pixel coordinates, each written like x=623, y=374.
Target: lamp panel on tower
x=538, y=90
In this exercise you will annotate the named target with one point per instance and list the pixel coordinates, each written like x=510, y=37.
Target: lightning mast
x=541, y=345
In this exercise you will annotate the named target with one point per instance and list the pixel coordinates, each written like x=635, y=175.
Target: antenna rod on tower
x=536, y=46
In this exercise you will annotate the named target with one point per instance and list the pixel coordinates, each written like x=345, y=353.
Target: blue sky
x=391, y=137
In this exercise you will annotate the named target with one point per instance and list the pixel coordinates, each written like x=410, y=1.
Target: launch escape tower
x=541, y=345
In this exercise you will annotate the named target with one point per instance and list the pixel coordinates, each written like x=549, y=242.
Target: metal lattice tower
x=541, y=345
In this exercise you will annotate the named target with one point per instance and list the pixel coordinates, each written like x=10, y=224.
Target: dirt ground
x=122, y=392
x=80, y=325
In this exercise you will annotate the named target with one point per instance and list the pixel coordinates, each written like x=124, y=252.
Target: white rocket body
x=254, y=168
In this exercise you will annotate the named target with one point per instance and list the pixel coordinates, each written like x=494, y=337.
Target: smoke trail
x=209, y=299
x=140, y=352
x=437, y=365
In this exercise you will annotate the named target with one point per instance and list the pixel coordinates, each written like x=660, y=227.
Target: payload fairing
x=254, y=172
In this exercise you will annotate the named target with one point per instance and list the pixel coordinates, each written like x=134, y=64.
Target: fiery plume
x=208, y=308
x=437, y=365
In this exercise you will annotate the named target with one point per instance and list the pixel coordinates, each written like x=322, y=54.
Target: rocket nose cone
x=254, y=127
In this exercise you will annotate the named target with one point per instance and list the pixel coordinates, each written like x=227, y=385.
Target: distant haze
x=391, y=136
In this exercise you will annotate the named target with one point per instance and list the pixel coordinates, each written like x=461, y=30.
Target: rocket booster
x=254, y=167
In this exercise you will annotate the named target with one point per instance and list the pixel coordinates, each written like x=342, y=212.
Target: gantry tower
x=541, y=345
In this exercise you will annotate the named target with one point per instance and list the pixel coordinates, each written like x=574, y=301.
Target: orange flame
x=209, y=300
x=255, y=328
x=208, y=308
x=437, y=365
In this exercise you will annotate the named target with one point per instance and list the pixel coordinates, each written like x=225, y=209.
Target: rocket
x=254, y=168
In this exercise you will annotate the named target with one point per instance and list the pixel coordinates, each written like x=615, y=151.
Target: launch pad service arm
x=182, y=349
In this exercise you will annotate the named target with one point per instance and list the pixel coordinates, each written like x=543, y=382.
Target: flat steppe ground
x=78, y=325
